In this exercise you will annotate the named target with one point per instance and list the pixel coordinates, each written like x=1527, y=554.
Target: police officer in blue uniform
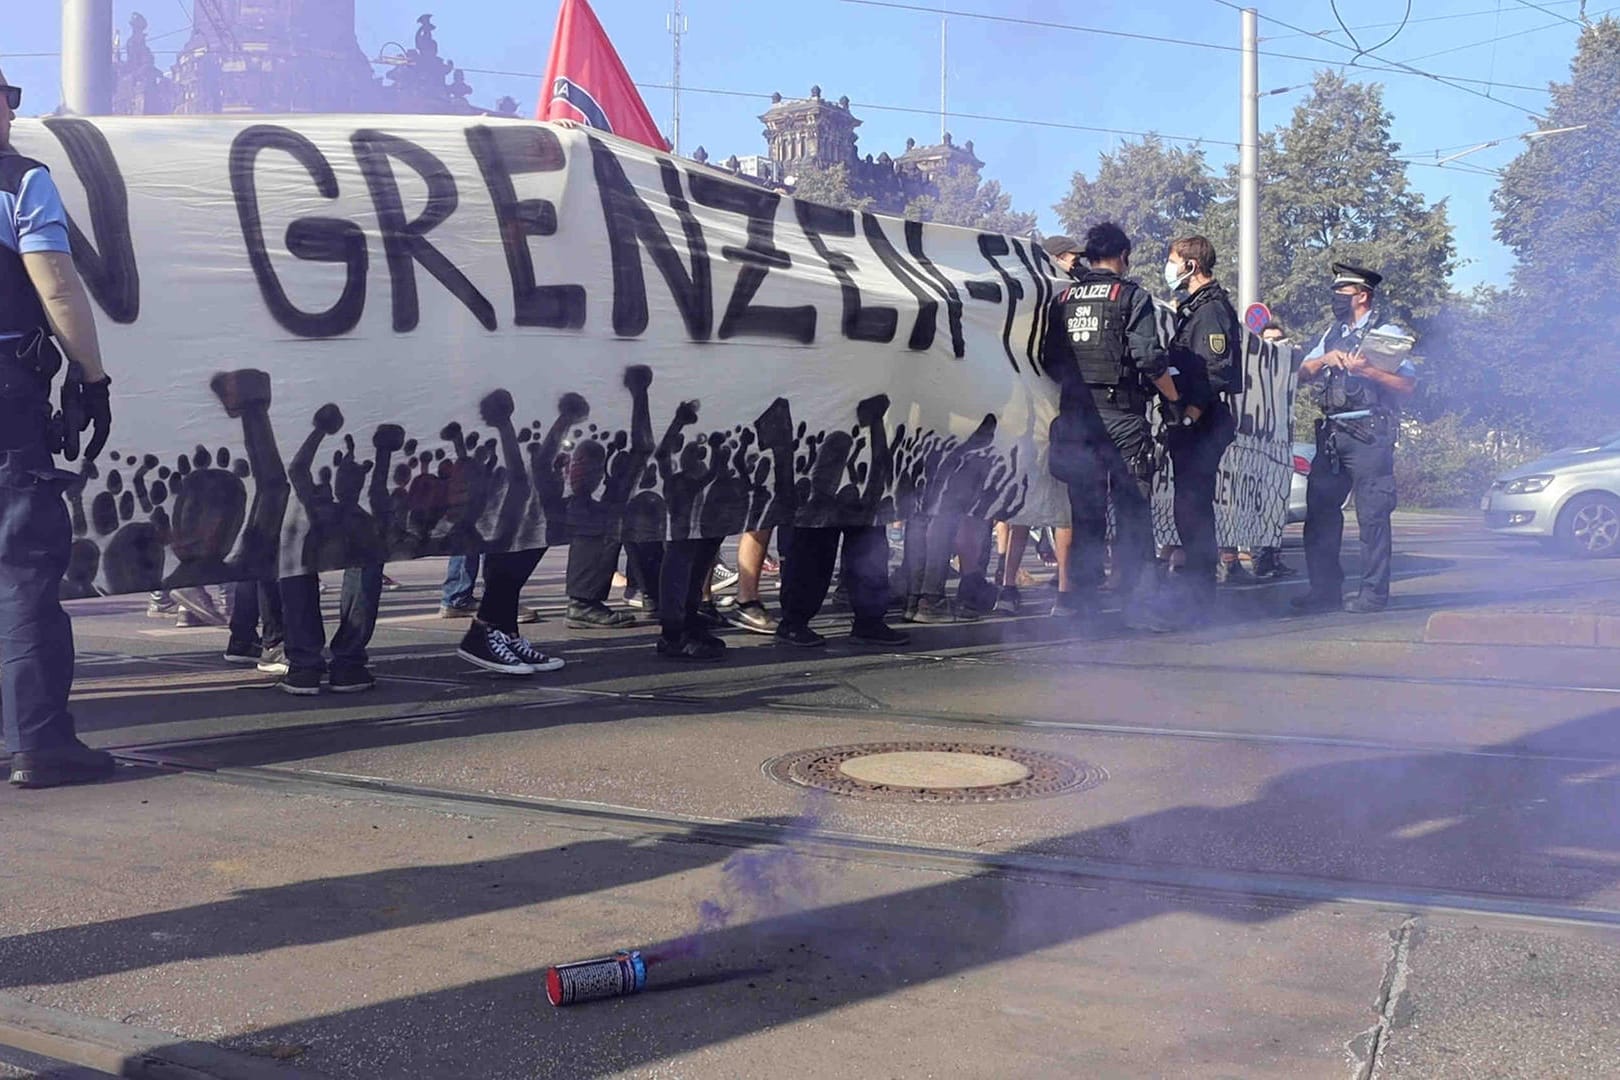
x=42, y=306
x=1203, y=352
x=1355, y=447
x=1102, y=347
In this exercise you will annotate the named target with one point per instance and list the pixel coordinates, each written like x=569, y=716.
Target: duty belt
x=1117, y=396
x=28, y=364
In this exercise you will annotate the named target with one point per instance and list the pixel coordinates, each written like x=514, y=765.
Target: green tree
x=1154, y=191
x=1551, y=357
x=1332, y=189
x=967, y=200
x=829, y=186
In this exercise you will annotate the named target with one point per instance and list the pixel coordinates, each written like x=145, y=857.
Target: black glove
x=1174, y=413
x=97, y=415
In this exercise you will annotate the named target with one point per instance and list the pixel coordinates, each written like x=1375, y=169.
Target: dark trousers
x=1368, y=470
x=357, y=618
x=681, y=575
x=36, y=636
x=1114, y=469
x=808, y=556
x=643, y=564
x=505, y=574
x=1195, y=456
x=592, y=561
x=253, y=602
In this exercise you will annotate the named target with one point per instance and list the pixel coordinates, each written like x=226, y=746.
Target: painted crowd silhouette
x=217, y=515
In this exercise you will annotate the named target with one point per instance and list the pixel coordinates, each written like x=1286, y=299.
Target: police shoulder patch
x=1217, y=343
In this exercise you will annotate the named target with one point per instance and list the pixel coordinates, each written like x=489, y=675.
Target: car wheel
x=1589, y=527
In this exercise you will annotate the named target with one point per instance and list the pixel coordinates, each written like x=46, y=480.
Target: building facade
x=815, y=133
x=287, y=56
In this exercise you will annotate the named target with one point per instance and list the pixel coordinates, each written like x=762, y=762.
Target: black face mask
x=1344, y=307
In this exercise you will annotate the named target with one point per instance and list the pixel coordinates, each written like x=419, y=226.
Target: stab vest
x=1342, y=392
x=21, y=312
x=1094, y=310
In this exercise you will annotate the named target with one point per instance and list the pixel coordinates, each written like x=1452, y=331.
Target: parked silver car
x=1570, y=498
x=1304, y=454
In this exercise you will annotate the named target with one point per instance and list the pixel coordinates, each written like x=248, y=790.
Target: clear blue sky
x=891, y=57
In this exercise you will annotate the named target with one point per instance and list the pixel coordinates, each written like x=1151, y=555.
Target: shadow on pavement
x=1409, y=810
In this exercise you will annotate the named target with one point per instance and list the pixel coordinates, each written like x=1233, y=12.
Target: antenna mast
x=677, y=26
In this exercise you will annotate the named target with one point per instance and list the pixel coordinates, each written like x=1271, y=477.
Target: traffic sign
x=1256, y=317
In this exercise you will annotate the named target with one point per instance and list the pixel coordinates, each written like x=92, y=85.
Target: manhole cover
x=934, y=772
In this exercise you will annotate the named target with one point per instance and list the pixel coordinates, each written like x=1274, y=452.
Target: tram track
x=1189, y=884
x=719, y=700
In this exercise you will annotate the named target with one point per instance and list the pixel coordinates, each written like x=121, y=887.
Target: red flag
x=586, y=81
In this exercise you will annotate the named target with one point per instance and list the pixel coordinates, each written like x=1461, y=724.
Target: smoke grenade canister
x=619, y=975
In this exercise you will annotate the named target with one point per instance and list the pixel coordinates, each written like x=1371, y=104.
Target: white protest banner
x=338, y=340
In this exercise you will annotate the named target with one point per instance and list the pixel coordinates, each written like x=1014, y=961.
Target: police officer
x=1198, y=429
x=1355, y=447
x=41, y=298
x=1102, y=347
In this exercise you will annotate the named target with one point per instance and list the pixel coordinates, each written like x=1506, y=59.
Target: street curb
x=1568, y=630
x=124, y=1050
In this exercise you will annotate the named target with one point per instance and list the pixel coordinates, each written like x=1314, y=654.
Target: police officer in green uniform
x=1102, y=347
x=1198, y=429
x=1355, y=446
x=43, y=305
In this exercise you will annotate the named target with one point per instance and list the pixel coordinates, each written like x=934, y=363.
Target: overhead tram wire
x=1442, y=80
x=1351, y=34
x=1498, y=39
x=1041, y=24
x=1419, y=19
x=1554, y=14
x=1193, y=139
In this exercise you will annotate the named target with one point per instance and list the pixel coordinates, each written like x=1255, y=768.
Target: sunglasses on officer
x=12, y=95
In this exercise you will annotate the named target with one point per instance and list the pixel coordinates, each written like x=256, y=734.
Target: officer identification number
x=1084, y=322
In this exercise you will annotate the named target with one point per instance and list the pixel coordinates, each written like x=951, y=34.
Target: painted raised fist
x=240, y=390
x=637, y=377
x=573, y=408
x=329, y=419
x=497, y=408
x=872, y=411
x=389, y=438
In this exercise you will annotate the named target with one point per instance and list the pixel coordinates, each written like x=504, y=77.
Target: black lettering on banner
x=759, y=256
x=504, y=152
x=859, y=323
x=988, y=291
x=1037, y=325
x=109, y=270
x=991, y=246
x=630, y=224
x=405, y=242
x=922, y=331
x=315, y=239
x=953, y=299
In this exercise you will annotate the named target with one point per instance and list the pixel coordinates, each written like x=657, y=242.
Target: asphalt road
x=1308, y=846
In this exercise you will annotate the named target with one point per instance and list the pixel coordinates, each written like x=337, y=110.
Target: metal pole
x=677, y=26
x=87, y=68
x=942, y=22
x=1249, y=168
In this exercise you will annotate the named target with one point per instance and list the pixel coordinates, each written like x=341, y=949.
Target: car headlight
x=1527, y=485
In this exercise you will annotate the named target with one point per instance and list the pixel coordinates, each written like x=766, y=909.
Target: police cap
x=1345, y=274
x=1059, y=245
